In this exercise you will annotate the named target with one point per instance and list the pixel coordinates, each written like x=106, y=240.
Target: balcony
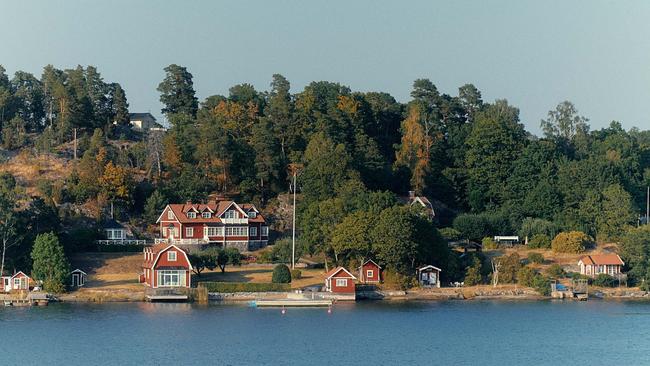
x=235, y=221
x=181, y=241
x=122, y=242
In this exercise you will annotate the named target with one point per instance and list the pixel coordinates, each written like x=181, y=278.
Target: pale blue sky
x=535, y=54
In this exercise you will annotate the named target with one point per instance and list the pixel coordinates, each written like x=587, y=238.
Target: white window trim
x=191, y=215
x=264, y=231
x=252, y=215
x=206, y=215
x=171, y=256
x=230, y=214
x=252, y=231
x=370, y=273
x=341, y=282
x=189, y=231
x=170, y=215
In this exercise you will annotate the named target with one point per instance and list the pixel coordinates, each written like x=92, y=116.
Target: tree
x=564, y=122
x=203, y=260
x=617, y=212
x=177, y=91
x=571, y=242
x=116, y=183
x=325, y=169
x=228, y=256
x=50, y=263
x=473, y=276
x=393, y=241
x=351, y=239
x=635, y=251
x=120, y=105
x=281, y=274
x=414, y=151
x=8, y=225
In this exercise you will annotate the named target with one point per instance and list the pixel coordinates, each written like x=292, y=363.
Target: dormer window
x=252, y=215
x=170, y=215
x=191, y=215
x=206, y=215
x=230, y=214
x=171, y=256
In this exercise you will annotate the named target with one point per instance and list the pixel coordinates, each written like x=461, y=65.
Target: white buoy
x=284, y=311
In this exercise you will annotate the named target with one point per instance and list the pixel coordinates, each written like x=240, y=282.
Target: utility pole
x=75, y=143
x=647, y=206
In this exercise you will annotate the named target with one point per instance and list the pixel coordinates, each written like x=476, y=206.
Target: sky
x=535, y=54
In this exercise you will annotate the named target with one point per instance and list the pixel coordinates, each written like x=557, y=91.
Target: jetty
x=579, y=290
x=292, y=303
x=28, y=299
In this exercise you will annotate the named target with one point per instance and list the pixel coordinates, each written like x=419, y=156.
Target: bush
x=510, y=265
x=555, y=271
x=473, y=276
x=571, y=242
x=539, y=241
x=535, y=258
x=526, y=276
x=398, y=280
x=281, y=274
x=604, y=280
x=471, y=226
x=542, y=285
x=450, y=234
x=489, y=243
x=296, y=274
x=576, y=276
x=245, y=287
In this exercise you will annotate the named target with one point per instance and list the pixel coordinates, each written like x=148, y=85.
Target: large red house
x=370, y=272
x=340, y=280
x=223, y=223
x=166, y=265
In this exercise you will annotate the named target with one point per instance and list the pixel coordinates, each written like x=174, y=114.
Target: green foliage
x=177, y=91
x=281, y=274
x=539, y=241
x=526, y=276
x=489, y=244
x=227, y=256
x=450, y=234
x=617, y=212
x=509, y=266
x=471, y=226
x=531, y=227
x=573, y=242
x=296, y=274
x=200, y=261
x=231, y=287
x=398, y=280
x=473, y=274
x=542, y=285
x=635, y=251
x=555, y=271
x=50, y=263
x=604, y=280
x=535, y=258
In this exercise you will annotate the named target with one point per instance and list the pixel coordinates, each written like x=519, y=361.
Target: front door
x=75, y=279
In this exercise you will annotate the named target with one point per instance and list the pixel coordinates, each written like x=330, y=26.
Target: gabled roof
x=370, y=261
x=140, y=116
x=19, y=272
x=602, y=259
x=77, y=271
x=429, y=267
x=216, y=208
x=112, y=224
x=336, y=270
x=232, y=203
x=157, y=249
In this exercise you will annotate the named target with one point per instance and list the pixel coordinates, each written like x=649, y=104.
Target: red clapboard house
x=340, y=280
x=166, y=266
x=17, y=282
x=224, y=223
x=370, y=272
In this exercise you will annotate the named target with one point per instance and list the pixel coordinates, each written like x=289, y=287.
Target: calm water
x=432, y=333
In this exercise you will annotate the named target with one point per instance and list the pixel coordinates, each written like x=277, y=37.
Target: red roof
x=215, y=208
x=336, y=270
x=155, y=250
x=602, y=259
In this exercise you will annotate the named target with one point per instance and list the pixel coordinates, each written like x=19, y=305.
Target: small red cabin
x=17, y=282
x=166, y=265
x=340, y=280
x=370, y=272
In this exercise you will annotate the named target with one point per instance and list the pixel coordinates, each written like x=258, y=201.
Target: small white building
x=143, y=121
x=429, y=276
x=78, y=278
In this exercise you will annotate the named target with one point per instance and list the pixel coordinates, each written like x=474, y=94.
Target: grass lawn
x=260, y=274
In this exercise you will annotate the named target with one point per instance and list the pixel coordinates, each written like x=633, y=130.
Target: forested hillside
x=354, y=152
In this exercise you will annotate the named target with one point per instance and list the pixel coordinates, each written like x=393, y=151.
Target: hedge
x=245, y=287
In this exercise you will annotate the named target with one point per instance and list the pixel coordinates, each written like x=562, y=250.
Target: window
x=170, y=215
x=189, y=232
x=237, y=231
x=171, y=231
x=370, y=273
x=230, y=214
x=252, y=215
x=16, y=282
x=171, y=278
x=191, y=215
x=341, y=282
x=171, y=256
x=206, y=215
x=265, y=231
x=252, y=231
x=214, y=231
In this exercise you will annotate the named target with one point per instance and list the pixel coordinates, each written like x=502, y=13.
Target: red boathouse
x=340, y=280
x=370, y=272
x=166, y=266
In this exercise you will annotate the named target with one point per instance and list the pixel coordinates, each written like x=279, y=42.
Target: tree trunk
x=2, y=265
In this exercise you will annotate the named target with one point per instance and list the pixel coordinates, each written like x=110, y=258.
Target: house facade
x=166, y=266
x=224, y=223
x=429, y=276
x=143, y=121
x=370, y=272
x=17, y=282
x=593, y=265
x=340, y=280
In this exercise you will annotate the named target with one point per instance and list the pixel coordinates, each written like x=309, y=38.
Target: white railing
x=181, y=241
x=122, y=242
x=235, y=221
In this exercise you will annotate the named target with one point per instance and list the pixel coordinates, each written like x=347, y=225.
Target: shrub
x=571, y=242
x=510, y=264
x=542, y=285
x=281, y=274
x=555, y=270
x=398, y=280
x=535, y=258
x=473, y=276
x=539, y=241
x=296, y=274
x=489, y=244
x=604, y=280
x=471, y=226
x=244, y=287
x=525, y=276
x=576, y=276
x=450, y=234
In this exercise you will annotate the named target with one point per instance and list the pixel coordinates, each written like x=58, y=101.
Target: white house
x=595, y=264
